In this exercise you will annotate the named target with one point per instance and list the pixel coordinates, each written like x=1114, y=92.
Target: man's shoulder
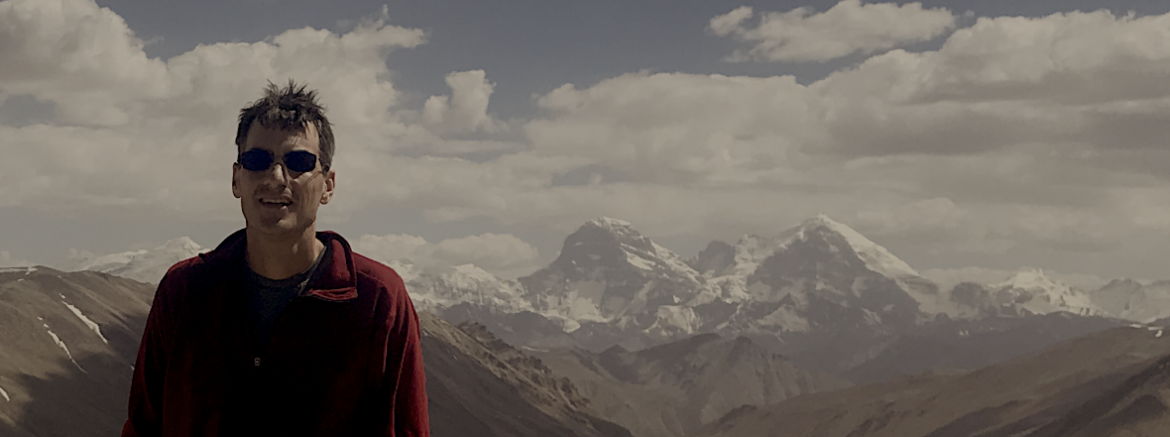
x=191, y=268
x=373, y=270
x=184, y=269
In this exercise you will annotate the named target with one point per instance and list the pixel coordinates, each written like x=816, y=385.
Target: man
x=281, y=330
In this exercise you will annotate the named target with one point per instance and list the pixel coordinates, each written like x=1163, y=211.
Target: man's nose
x=277, y=172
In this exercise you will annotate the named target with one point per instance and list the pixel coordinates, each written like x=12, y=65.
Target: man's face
x=279, y=201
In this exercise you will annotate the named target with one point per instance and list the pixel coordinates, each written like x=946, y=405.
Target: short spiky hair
x=291, y=108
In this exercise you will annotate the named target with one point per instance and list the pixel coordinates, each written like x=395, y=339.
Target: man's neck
x=282, y=257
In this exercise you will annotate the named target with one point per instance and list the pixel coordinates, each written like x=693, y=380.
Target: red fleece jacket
x=344, y=359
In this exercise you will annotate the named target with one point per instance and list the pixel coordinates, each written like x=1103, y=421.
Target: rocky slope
x=1104, y=381
x=970, y=344
x=673, y=389
x=479, y=385
x=69, y=343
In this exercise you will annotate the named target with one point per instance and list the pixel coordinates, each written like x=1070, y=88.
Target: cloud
x=850, y=27
x=7, y=260
x=676, y=128
x=501, y=254
x=1039, y=132
x=1072, y=78
x=155, y=137
x=80, y=56
x=466, y=109
x=921, y=218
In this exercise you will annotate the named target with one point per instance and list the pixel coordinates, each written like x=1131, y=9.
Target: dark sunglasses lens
x=256, y=160
x=300, y=161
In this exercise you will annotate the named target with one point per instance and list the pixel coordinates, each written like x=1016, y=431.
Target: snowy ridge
x=437, y=289
x=1037, y=293
x=612, y=224
x=641, y=252
x=145, y=265
x=751, y=250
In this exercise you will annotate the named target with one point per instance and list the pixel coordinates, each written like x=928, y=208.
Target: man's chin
x=283, y=227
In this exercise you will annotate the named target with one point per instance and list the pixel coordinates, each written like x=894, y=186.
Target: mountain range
x=815, y=284
x=1111, y=383
x=621, y=336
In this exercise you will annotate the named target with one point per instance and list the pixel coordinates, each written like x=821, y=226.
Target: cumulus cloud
x=677, y=128
x=1018, y=132
x=1026, y=150
x=152, y=136
x=465, y=110
x=501, y=254
x=850, y=27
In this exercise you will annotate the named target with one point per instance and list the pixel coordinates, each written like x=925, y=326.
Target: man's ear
x=329, y=184
x=236, y=180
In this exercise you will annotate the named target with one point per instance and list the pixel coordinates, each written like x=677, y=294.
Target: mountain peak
x=1028, y=278
x=611, y=224
x=876, y=257
x=181, y=244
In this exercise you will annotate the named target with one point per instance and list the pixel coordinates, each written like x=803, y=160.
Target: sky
x=968, y=138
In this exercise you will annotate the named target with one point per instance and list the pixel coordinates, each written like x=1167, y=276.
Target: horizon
x=487, y=135
x=945, y=278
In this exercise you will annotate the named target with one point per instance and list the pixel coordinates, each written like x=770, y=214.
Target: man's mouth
x=275, y=202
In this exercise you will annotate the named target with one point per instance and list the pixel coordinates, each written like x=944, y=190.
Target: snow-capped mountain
x=145, y=265
x=1028, y=291
x=1132, y=300
x=1031, y=290
x=818, y=275
x=611, y=284
x=818, y=292
x=436, y=289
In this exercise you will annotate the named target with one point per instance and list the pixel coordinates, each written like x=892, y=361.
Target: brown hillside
x=675, y=388
x=1029, y=394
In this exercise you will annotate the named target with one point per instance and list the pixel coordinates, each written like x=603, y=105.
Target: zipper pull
x=257, y=361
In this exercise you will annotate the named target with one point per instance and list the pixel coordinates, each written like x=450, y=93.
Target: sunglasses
x=298, y=161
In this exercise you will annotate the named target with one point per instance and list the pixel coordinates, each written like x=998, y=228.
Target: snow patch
x=90, y=323
x=6, y=397
x=611, y=223
x=61, y=344
x=25, y=270
x=639, y=262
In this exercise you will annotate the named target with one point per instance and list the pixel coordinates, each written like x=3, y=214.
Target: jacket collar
x=337, y=280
